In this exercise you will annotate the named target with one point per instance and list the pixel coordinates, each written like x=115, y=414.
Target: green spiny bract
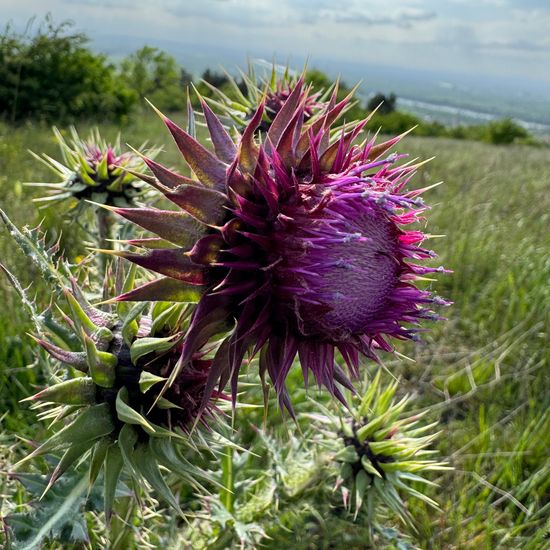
x=92, y=169
x=112, y=402
x=108, y=403
x=380, y=451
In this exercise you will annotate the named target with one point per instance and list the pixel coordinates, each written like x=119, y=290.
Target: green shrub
x=504, y=132
x=156, y=75
x=52, y=75
x=396, y=122
x=385, y=104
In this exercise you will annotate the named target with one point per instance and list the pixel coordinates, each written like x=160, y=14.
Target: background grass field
x=483, y=373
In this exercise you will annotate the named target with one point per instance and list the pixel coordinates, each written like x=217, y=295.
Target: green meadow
x=483, y=373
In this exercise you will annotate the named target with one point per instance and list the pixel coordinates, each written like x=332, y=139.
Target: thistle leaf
x=130, y=327
x=113, y=467
x=99, y=454
x=147, y=380
x=101, y=364
x=70, y=456
x=57, y=516
x=145, y=464
x=31, y=243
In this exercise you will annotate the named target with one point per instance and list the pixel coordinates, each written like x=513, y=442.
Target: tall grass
x=483, y=373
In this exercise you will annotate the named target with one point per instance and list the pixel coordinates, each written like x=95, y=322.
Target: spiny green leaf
x=31, y=243
x=113, y=466
x=102, y=364
x=130, y=326
x=362, y=483
x=70, y=456
x=347, y=454
x=79, y=316
x=369, y=395
x=99, y=453
x=367, y=464
x=145, y=463
x=57, y=516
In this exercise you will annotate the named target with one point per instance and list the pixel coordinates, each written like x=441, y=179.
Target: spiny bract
x=105, y=402
x=92, y=169
x=297, y=244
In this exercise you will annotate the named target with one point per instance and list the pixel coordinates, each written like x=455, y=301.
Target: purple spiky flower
x=275, y=100
x=273, y=91
x=303, y=250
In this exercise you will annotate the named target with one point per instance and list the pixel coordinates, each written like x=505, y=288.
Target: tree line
x=51, y=74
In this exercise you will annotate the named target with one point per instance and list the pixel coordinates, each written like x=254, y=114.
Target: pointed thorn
x=159, y=113
x=107, y=251
x=105, y=206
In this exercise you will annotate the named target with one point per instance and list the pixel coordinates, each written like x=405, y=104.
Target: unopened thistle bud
x=92, y=169
x=381, y=451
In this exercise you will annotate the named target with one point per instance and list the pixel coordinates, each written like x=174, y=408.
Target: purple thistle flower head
x=276, y=98
x=273, y=89
x=304, y=249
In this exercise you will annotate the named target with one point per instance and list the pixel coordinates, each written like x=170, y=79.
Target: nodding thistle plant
x=93, y=170
x=298, y=244
x=104, y=402
x=381, y=451
x=273, y=92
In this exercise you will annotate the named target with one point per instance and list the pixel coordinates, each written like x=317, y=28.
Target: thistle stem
x=227, y=494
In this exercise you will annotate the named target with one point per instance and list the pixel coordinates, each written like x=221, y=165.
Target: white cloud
x=471, y=35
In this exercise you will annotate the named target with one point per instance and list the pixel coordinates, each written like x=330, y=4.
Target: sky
x=480, y=37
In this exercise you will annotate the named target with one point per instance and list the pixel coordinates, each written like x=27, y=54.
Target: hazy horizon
x=485, y=55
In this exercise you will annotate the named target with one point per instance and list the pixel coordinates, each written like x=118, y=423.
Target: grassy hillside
x=483, y=373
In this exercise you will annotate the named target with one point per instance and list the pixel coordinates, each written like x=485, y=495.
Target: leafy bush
x=52, y=75
x=505, y=131
x=387, y=103
x=216, y=79
x=498, y=132
x=156, y=75
x=396, y=122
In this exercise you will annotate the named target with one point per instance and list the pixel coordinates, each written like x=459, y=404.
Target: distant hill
x=446, y=96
